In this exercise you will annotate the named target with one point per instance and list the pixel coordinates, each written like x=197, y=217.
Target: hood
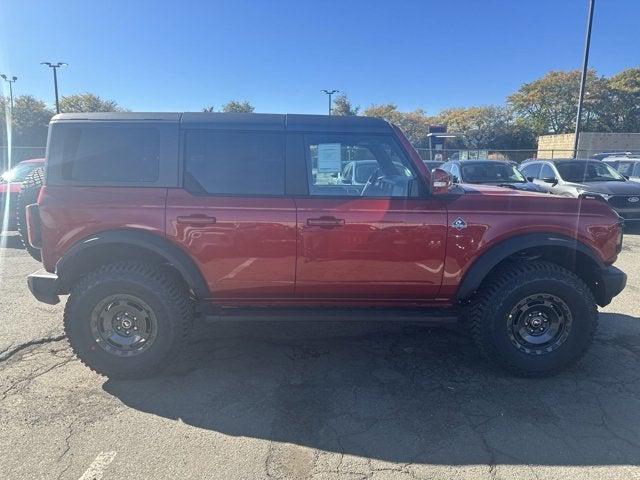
x=610, y=188
x=478, y=189
x=524, y=186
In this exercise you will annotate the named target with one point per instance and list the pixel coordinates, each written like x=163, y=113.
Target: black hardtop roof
x=245, y=121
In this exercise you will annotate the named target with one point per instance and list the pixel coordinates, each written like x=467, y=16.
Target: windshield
x=491, y=172
x=19, y=172
x=584, y=172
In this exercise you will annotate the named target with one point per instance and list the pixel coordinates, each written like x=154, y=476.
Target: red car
x=150, y=220
x=10, y=183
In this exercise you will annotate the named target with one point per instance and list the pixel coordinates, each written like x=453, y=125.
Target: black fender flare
x=474, y=276
x=159, y=246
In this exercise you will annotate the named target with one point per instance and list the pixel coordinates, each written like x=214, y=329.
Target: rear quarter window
x=113, y=154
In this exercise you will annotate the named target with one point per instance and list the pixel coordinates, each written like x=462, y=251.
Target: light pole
x=330, y=92
x=583, y=78
x=9, y=81
x=55, y=67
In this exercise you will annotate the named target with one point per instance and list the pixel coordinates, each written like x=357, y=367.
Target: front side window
x=234, y=163
x=625, y=168
x=380, y=168
x=110, y=153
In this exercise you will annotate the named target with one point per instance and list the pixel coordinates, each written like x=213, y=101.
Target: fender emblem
x=459, y=223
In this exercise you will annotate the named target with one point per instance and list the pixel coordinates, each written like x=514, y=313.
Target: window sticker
x=329, y=158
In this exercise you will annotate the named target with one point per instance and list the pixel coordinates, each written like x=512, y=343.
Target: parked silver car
x=575, y=178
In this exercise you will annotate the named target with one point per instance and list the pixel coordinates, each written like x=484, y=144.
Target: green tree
x=87, y=102
x=209, y=109
x=549, y=104
x=342, y=106
x=491, y=127
x=415, y=125
x=624, y=89
x=235, y=106
x=29, y=123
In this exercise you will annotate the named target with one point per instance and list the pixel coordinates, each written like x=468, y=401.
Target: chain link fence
x=515, y=155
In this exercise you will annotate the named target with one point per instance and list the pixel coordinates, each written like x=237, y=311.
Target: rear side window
x=234, y=163
x=110, y=154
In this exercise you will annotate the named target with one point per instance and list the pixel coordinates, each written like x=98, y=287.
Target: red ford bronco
x=149, y=220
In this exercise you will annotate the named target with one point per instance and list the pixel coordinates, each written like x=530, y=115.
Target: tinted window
x=636, y=171
x=249, y=163
x=547, y=172
x=111, y=154
x=380, y=167
x=531, y=170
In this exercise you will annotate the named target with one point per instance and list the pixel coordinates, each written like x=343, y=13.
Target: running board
x=424, y=315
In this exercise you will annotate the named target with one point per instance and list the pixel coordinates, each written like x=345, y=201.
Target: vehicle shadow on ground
x=403, y=393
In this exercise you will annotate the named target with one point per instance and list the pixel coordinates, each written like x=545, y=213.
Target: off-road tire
x=29, y=192
x=168, y=299
x=490, y=324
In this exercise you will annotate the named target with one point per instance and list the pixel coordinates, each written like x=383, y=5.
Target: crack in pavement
x=11, y=350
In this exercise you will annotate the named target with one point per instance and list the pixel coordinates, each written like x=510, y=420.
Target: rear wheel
x=533, y=318
x=128, y=319
x=28, y=195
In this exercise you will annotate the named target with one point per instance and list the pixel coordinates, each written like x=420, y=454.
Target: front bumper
x=612, y=282
x=44, y=286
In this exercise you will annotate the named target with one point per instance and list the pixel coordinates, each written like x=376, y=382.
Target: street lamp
x=9, y=81
x=330, y=92
x=55, y=67
x=583, y=78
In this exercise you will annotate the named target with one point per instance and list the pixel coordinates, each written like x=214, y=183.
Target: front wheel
x=128, y=319
x=533, y=318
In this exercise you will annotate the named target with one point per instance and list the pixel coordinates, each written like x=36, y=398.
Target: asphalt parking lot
x=314, y=400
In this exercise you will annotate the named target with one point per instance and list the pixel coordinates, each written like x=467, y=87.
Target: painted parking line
x=98, y=467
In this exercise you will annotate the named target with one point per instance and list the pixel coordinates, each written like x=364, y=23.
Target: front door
x=368, y=239
x=232, y=216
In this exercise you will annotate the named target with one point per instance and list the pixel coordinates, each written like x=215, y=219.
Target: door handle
x=325, y=222
x=196, y=220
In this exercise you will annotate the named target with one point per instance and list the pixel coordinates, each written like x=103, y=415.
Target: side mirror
x=530, y=179
x=550, y=180
x=626, y=177
x=455, y=179
x=441, y=182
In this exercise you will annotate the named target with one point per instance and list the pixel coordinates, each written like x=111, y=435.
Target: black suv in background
x=575, y=178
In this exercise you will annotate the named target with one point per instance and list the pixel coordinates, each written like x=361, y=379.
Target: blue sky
x=183, y=55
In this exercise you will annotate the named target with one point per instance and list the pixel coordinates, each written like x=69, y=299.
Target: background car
x=10, y=183
x=574, y=178
x=627, y=166
x=490, y=172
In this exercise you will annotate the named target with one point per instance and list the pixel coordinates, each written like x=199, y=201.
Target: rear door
x=232, y=215
x=375, y=242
